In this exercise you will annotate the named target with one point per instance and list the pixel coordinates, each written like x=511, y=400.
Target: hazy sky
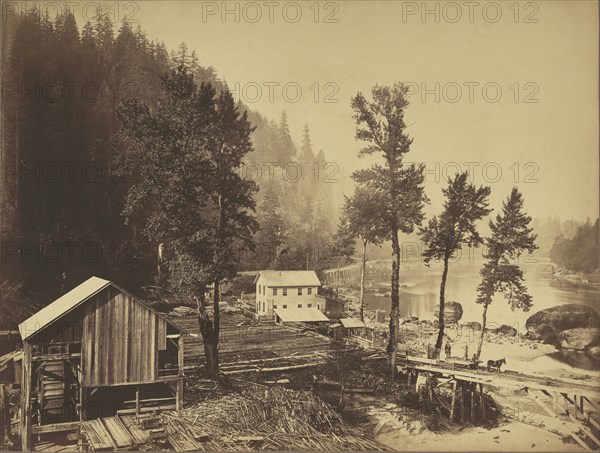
x=544, y=51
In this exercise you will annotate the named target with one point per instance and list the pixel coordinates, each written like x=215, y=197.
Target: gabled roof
x=68, y=302
x=288, y=278
x=351, y=323
x=300, y=314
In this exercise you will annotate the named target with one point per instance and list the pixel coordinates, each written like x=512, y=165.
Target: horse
x=495, y=364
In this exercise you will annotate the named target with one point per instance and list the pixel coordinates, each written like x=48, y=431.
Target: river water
x=419, y=293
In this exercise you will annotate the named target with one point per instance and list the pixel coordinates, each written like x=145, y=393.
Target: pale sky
x=545, y=51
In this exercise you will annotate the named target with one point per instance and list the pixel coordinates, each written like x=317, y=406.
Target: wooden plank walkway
x=510, y=380
x=114, y=433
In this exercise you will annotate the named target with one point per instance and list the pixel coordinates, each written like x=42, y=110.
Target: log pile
x=266, y=418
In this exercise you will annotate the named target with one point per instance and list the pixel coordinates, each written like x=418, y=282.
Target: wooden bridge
x=572, y=401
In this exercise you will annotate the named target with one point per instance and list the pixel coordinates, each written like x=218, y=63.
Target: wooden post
x=453, y=406
x=473, y=392
x=137, y=401
x=180, y=375
x=462, y=403
x=82, y=403
x=555, y=403
x=576, y=408
x=482, y=400
x=25, y=398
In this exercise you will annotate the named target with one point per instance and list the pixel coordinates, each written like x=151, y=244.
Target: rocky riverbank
x=568, y=329
x=564, y=277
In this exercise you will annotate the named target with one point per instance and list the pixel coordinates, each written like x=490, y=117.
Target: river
x=420, y=293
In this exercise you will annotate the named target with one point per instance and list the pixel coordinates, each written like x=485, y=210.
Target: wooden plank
x=126, y=340
x=482, y=402
x=162, y=334
x=580, y=442
x=118, y=432
x=139, y=435
x=55, y=428
x=97, y=334
x=453, y=406
x=124, y=334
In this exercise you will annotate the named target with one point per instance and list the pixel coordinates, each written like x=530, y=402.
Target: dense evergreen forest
x=62, y=193
x=578, y=252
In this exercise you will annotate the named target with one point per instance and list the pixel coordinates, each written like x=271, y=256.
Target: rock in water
x=547, y=324
x=594, y=352
x=453, y=311
x=473, y=325
x=580, y=338
x=505, y=329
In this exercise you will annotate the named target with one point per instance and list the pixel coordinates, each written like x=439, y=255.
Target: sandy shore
x=401, y=431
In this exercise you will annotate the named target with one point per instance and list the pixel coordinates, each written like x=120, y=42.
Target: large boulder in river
x=505, y=329
x=580, y=338
x=453, y=311
x=547, y=324
x=594, y=352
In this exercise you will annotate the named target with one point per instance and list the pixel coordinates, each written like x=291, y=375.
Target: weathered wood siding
x=121, y=339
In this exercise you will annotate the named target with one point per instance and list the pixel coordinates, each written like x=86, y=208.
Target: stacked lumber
x=264, y=418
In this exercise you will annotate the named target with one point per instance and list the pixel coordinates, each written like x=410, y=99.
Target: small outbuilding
x=93, y=352
x=353, y=327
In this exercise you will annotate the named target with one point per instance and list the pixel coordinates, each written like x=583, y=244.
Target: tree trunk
x=209, y=338
x=363, y=269
x=337, y=283
x=440, y=337
x=395, y=310
x=483, y=322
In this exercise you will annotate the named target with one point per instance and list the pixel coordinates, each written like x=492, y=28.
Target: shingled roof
x=288, y=278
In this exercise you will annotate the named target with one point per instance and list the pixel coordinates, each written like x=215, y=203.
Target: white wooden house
x=287, y=290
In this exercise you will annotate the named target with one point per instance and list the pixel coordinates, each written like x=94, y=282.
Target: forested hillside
x=580, y=252
x=62, y=199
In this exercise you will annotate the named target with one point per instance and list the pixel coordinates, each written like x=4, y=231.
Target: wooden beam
x=482, y=401
x=82, y=403
x=472, y=387
x=55, y=428
x=43, y=358
x=26, y=398
x=180, y=382
x=137, y=401
x=462, y=402
x=453, y=405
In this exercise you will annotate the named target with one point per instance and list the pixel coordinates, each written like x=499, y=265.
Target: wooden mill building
x=96, y=351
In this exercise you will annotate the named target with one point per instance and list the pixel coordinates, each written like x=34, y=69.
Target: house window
x=285, y=291
x=264, y=289
x=274, y=307
x=309, y=291
x=299, y=305
x=309, y=305
x=284, y=306
x=263, y=305
x=274, y=291
x=259, y=289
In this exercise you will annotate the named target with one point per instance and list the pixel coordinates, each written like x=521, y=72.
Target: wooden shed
x=94, y=352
